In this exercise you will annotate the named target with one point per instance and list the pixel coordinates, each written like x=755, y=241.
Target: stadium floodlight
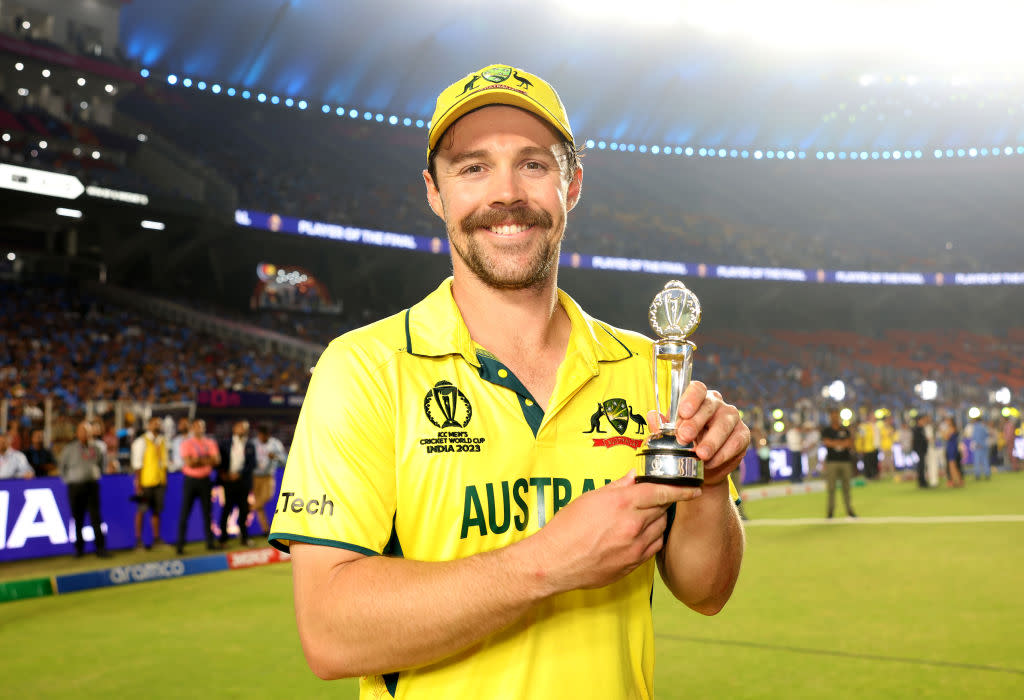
x=847, y=415
x=1002, y=395
x=43, y=144
x=95, y=155
x=69, y=213
x=289, y=102
x=46, y=72
x=353, y=113
x=144, y=72
x=201, y=85
x=81, y=82
x=688, y=151
x=11, y=256
x=187, y=82
x=153, y=225
x=642, y=148
x=836, y=390
x=326, y=109
x=262, y=97
x=215, y=89
x=655, y=150
x=974, y=413
x=972, y=152
x=407, y=122
x=6, y=137
x=275, y=100
x=419, y=123
x=303, y=104
x=928, y=390
x=601, y=145
x=392, y=120
x=23, y=92
x=19, y=66
x=231, y=92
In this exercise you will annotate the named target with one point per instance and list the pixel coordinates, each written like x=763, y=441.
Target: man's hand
x=720, y=438
x=604, y=534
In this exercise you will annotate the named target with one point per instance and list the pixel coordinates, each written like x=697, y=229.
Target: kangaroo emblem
x=641, y=422
x=523, y=82
x=469, y=86
x=595, y=421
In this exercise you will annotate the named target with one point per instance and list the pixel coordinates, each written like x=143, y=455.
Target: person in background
x=270, y=454
x=951, y=438
x=200, y=454
x=175, y=460
x=885, y=428
x=13, y=463
x=1009, y=442
x=867, y=446
x=81, y=465
x=838, y=461
x=149, y=466
x=237, y=465
x=40, y=457
x=980, y=449
x=795, y=451
x=811, y=448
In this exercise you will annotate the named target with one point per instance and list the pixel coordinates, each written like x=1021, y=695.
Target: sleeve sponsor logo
x=289, y=502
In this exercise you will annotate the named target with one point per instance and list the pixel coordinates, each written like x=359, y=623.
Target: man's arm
x=361, y=615
x=701, y=561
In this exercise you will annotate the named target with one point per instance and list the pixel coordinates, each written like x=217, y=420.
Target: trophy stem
x=679, y=353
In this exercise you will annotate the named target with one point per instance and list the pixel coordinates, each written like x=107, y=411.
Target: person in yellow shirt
x=885, y=429
x=149, y=465
x=867, y=446
x=459, y=499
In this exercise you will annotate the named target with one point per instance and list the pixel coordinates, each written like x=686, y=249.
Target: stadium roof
x=724, y=74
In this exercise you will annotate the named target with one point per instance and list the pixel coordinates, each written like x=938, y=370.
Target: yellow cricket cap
x=497, y=85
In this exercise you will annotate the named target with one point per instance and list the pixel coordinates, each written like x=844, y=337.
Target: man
x=867, y=445
x=40, y=457
x=794, y=446
x=80, y=466
x=175, y=461
x=452, y=437
x=149, y=465
x=920, y=442
x=838, y=444
x=200, y=455
x=885, y=428
x=13, y=463
x=235, y=475
x=270, y=454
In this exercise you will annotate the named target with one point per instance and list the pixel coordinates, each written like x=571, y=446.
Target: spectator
x=13, y=463
x=149, y=465
x=838, y=462
x=270, y=454
x=40, y=457
x=235, y=475
x=201, y=455
x=81, y=466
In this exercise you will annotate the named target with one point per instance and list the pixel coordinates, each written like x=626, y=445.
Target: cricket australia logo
x=447, y=407
x=618, y=414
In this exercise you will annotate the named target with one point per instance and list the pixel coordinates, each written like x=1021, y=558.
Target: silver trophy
x=675, y=313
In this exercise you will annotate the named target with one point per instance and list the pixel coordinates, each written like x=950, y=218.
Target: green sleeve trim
x=408, y=335
x=277, y=539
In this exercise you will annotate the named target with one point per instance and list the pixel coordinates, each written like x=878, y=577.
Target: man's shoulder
x=376, y=342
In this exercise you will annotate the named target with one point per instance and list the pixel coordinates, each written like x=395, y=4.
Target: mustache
x=517, y=216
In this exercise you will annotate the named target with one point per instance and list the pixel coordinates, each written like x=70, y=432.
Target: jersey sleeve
x=338, y=487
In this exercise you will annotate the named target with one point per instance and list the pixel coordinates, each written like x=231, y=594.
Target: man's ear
x=575, y=189
x=433, y=195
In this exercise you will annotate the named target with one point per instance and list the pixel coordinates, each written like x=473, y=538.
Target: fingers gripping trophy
x=674, y=314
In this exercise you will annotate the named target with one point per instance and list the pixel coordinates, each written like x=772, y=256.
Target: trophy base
x=668, y=462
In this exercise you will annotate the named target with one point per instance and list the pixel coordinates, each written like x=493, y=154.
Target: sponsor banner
x=35, y=516
x=678, y=268
x=141, y=572
x=29, y=588
x=245, y=558
x=224, y=398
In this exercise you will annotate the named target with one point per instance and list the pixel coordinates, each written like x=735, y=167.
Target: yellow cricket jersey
x=414, y=441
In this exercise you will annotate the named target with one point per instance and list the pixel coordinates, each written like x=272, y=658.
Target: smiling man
x=456, y=531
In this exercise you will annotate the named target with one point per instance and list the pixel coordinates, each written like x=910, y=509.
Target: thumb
x=627, y=480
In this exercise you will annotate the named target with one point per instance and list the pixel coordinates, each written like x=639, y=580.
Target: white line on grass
x=900, y=519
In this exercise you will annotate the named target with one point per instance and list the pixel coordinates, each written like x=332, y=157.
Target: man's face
x=503, y=195
x=37, y=438
x=83, y=432
x=153, y=425
x=241, y=429
x=199, y=428
x=3, y=442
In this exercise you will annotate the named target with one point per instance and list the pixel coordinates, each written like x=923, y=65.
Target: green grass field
x=837, y=610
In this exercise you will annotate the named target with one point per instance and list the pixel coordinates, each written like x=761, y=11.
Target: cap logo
x=498, y=74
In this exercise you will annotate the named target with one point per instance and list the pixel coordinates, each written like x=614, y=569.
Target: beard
x=496, y=268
